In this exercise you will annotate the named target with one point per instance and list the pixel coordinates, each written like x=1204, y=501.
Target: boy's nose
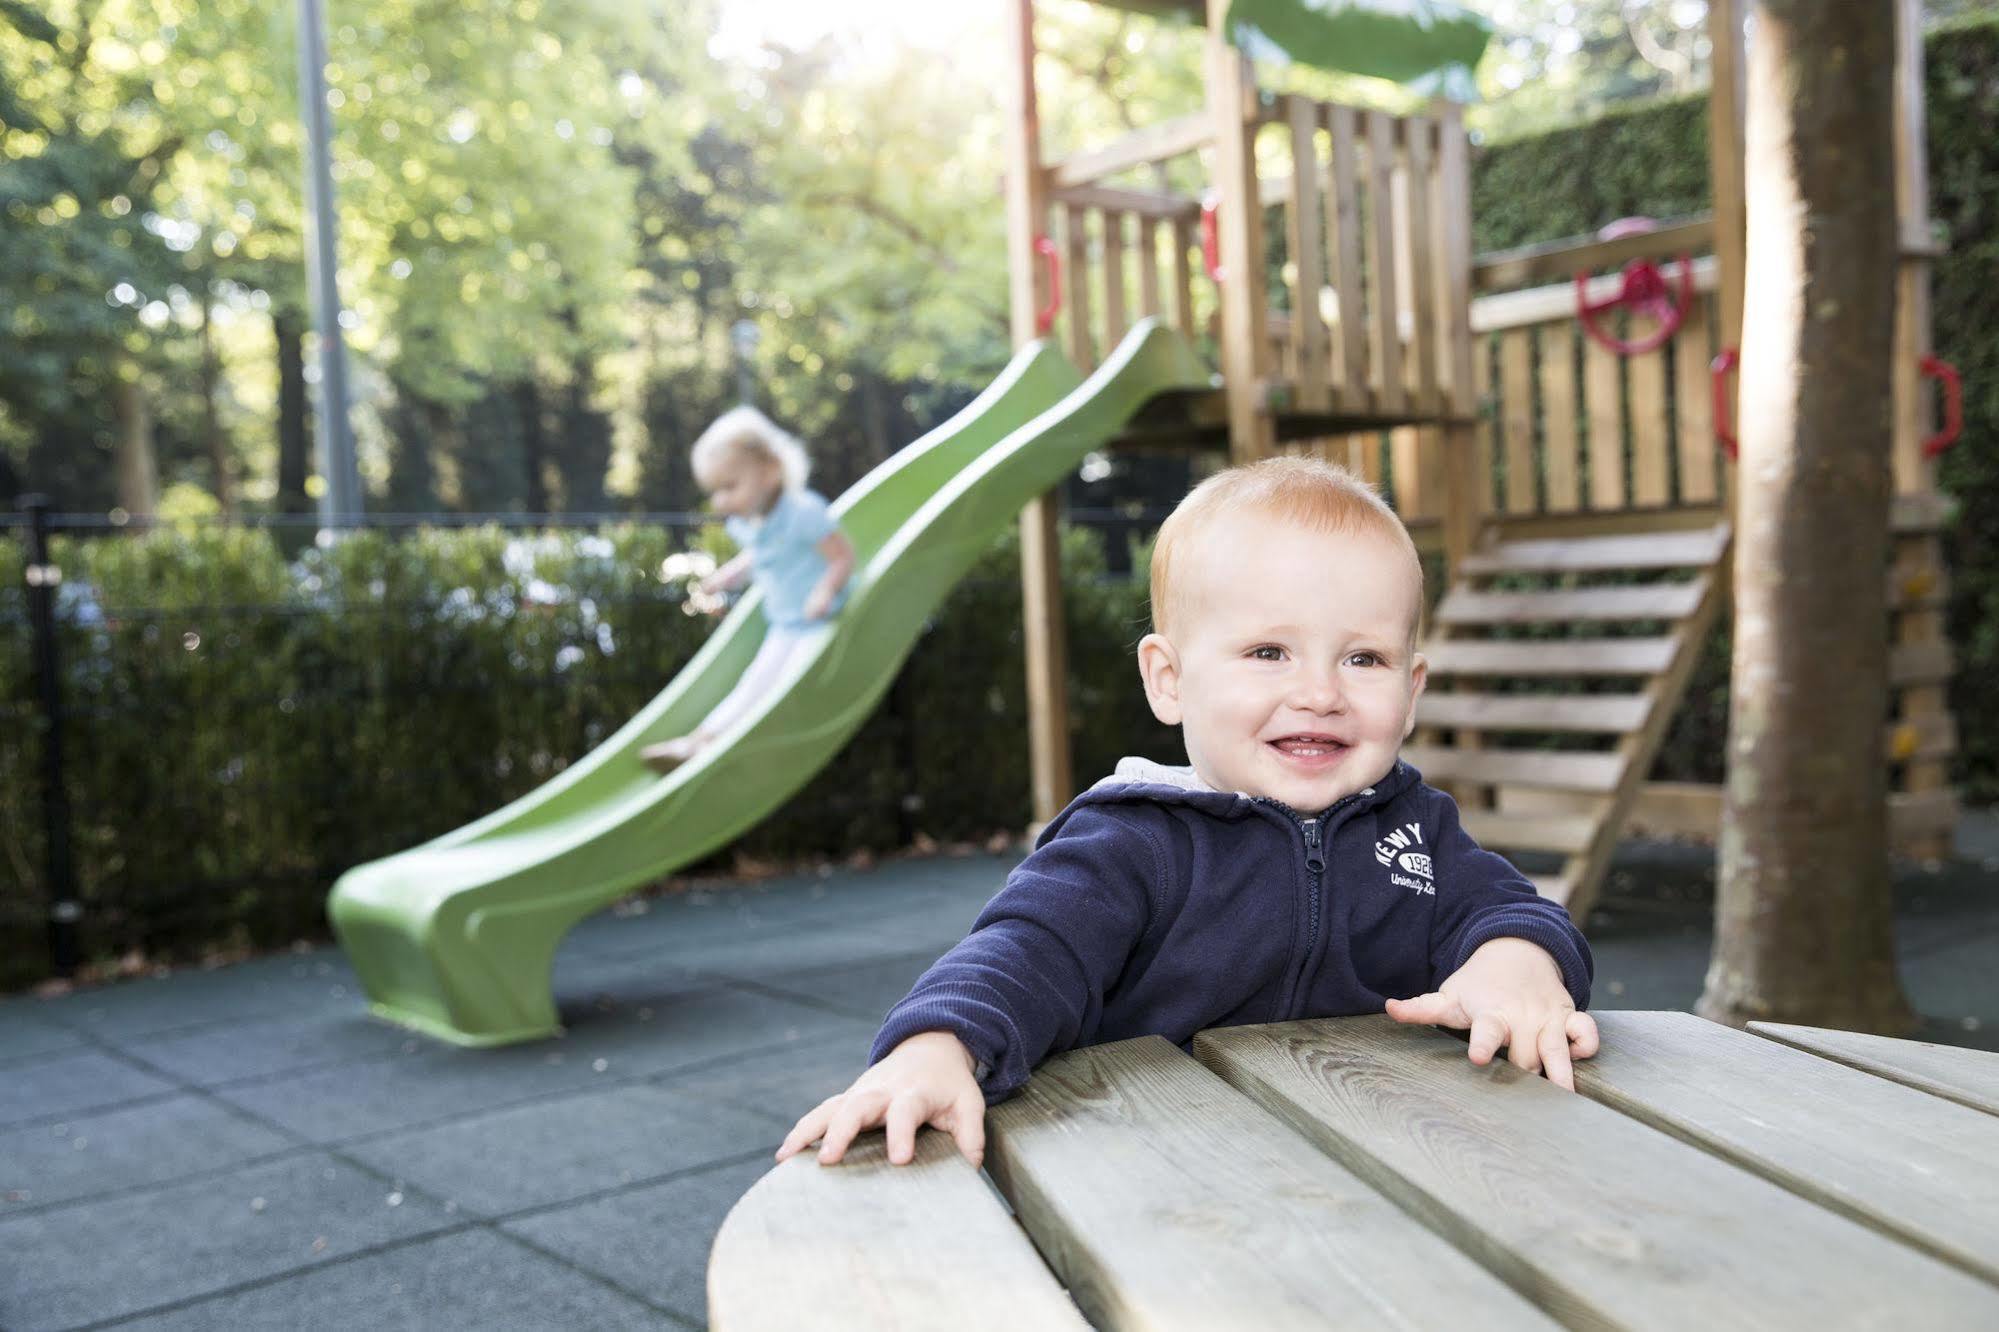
x=1320, y=691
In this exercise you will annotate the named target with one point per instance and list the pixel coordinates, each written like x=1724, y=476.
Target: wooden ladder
x=1544, y=736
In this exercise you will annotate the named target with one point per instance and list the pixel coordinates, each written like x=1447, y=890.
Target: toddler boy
x=1295, y=868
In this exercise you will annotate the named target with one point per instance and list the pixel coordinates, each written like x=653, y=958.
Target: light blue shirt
x=784, y=554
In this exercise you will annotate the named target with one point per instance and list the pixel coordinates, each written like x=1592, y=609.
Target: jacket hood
x=1142, y=779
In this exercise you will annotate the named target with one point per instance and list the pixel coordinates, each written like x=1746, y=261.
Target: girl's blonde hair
x=747, y=430
x=1321, y=496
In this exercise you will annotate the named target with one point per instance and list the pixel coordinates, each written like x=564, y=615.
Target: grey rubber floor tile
x=865, y=989
x=244, y=992
x=374, y=1096
x=23, y=1033
x=153, y=1143
x=653, y=1240
x=468, y=1279
x=810, y=950
x=556, y=1150
x=71, y=1082
x=226, y=1052
x=133, y=1252
x=784, y=1085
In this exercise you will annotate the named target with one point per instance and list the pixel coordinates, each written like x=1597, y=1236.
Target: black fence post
x=43, y=577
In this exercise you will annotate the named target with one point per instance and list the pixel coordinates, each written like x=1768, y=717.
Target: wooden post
x=1040, y=540
x=1724, y=27
x=1245, y=345
x=1464, y=488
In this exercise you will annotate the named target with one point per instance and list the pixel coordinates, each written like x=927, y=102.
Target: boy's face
x=1290, y=667
x=740, y=485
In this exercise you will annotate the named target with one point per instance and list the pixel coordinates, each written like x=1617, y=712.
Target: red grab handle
x=1724, y=410
x=1935, y=367
x=1211, y=238
x=1644, y=292
x=1044, y=318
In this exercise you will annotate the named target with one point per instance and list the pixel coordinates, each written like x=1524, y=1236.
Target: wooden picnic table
x=1350, y=1172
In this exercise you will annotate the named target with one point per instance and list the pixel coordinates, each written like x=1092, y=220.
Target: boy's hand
x=925, y=1080
x=1509, y=992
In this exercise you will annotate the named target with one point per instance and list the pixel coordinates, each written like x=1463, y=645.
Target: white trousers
x=780, y=645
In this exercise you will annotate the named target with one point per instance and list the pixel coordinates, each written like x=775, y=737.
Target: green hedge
x=240, y=729
x=1653, y=162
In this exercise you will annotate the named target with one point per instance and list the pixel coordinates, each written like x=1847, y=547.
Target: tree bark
x=137, y=468
x=294, y=426
x=1803, y=930
x=534, y=444
x=211, y=418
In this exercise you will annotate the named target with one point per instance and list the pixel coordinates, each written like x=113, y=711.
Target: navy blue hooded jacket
x=1154, y=905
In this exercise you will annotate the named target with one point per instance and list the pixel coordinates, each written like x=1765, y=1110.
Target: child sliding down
x=792, y=549
x=1296, y=868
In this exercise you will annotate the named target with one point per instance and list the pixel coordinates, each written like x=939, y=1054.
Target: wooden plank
x=1180, y=274
x=1590, y=714
x=1128, y=1162
x=867, y=1244
x=1603, y=392
x=1559, y=404
x=1660, y=550
x=1485, y=445
x=1454, y=244
x=1968, y=1077
x=1116, y=325
x=1141, y=147
x=1564, y=658
x=1310, y=341
x=1148, y=267
x=1912, y=1166
x=1558, y=260
x=1026, y=183
x=1539, y=768
x=1385, y=318
x=1516, y=420
x=1654, y=601
x=1246, y=362
x=1343, y=243
x=1047, y=657
x=1726, y=175
x=1076, y=287
x=1516, y=832
x=1145, y=203
x=1424, y=258
x=1651, y=466
x=1694, y=398
x=1921, y=663
x=1557, y=304
x=1607, y=1221
x=1554, y=887
x=1931, y=512
x=1928, y=737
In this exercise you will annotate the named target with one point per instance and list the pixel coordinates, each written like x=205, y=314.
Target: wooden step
x=1651, y=550
x=1568, y=833
x=1653, y=601
x=1554, y=887
x=1547, y=769
x=1590, y=714
x=1550, y=657
x=1915, y=663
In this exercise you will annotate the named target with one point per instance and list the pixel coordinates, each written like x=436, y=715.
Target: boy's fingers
x=968, y=1127
x=1433, y=1009
x=1582, y=1034
x=1554, y=1044
x=807, y=1130
x=905, y=1112
x=1488, y=1033
x=856, y=1112
x=1523, y=1045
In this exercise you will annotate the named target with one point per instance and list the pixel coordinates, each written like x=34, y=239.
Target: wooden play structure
x=1562, y=442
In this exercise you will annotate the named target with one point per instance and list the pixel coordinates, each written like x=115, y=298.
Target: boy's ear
x=1419, y=675
x=1159, y=667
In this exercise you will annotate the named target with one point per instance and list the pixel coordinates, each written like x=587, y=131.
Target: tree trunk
x=294, y=427
x=534, y=444
x=1803, y=929
x=138, y=470
x=211, y=419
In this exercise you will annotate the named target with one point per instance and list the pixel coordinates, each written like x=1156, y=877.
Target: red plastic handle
x=1935, y=367
x=1724, y=410
x=1044, y=318
x=1643, y=292
x=1211, y=238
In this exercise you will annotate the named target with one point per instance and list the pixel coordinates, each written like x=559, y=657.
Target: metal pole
x=340, y=499
x=43, y=577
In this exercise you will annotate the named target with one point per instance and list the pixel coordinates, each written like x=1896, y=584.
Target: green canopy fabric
x=1430, y=45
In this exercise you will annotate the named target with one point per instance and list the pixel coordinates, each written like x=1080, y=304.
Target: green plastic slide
x=456, y=938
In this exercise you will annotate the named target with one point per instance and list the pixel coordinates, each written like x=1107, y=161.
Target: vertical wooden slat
x=1465, y=505
x=1076, y=278
x=1344, y=245
x=1180, y=273
x=1404, y=449
x=1309, y=347
x=1516, y=399
x=1486, y=448
x=1651, y=484
x=1115, y=323
x=1386, y=339
x=1559, y=435
x=1432, y=483
x=1232, y=103
x=1423, y=259
x=1603, y=410
x=1693, y=390
x=1148, y=266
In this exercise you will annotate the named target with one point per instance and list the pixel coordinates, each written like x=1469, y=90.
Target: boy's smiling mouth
x=1311, y=747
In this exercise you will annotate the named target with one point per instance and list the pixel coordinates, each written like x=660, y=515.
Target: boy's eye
x=1365, y=659
x=1267, y=652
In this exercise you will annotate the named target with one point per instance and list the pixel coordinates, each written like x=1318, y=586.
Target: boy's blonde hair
x=748, y=431
x=1321, y=496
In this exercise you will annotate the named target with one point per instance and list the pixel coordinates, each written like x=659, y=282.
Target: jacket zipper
x=1315, y=868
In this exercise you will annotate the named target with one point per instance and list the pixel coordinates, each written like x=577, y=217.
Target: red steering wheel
x=1643, y=291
